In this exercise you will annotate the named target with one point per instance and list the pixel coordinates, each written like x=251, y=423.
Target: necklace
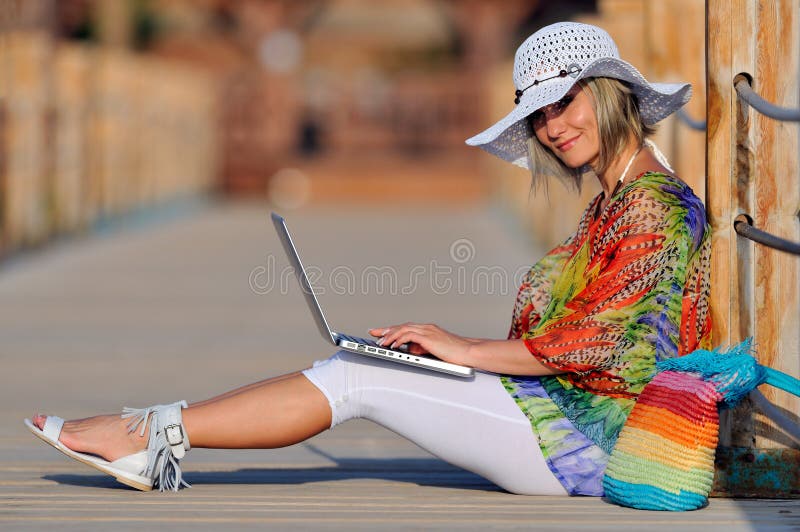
x=621, y=179
x=627, y=167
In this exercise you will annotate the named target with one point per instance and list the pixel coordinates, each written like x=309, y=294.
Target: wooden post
x=752, y=169
x=676, y=53
x=72, y=77
x=25, y=215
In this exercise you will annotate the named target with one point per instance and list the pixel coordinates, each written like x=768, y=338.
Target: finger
x=395, y=333
x=379, y=331
x=388, y=335
x=407, y=338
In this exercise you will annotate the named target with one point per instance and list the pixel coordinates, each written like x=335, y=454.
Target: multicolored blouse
x=628, y=289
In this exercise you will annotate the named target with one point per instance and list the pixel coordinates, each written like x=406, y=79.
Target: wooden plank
x=731, y=44
x=720, y=142
x=746, y=472
x=744, y=16
x=776, y=201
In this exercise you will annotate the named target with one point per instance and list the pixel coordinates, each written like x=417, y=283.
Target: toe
x=38, y=421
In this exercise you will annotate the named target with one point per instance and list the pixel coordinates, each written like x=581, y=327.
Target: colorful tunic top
x=628, y=289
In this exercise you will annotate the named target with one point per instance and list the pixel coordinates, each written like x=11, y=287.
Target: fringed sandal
x=158, y=466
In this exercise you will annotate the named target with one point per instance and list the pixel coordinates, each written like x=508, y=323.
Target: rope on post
x=746, y=93
x=743, y=228
x=698, y=125
x=774, y=413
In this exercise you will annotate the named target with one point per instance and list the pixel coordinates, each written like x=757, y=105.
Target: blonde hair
x=617, y=110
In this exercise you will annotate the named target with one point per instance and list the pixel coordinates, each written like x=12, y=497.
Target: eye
x=537, y=116
x=564, y=102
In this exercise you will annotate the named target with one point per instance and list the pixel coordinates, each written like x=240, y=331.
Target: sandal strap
x=167, y=442
x=171, y=423
x=52, y=427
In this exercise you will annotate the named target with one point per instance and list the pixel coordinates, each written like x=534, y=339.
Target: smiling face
x=568, y=128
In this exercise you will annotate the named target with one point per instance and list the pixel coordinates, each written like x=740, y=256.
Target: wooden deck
x=83, y=324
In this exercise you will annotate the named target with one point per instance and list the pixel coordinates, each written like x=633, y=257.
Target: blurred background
x=115, y=109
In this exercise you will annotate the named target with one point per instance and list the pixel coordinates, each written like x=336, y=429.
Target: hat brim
x=507, y=138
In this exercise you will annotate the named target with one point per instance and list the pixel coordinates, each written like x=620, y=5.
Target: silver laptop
x=355, y=344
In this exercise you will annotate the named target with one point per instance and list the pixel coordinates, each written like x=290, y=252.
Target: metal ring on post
x=683, y=116
x=744, y=228
x=746, y=93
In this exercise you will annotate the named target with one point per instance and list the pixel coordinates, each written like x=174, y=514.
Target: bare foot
x=104, y=436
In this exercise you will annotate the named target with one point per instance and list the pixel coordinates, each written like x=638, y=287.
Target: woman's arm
x=509, y=357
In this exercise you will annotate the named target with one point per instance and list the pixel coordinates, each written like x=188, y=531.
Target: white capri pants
x=472, y=424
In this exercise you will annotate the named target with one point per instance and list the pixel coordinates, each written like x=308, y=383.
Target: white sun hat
x=549, y=63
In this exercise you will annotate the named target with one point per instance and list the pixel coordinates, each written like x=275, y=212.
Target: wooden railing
x=409, y=115
x=87, y=134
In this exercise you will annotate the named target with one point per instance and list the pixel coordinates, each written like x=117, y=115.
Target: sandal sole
x=137, y=481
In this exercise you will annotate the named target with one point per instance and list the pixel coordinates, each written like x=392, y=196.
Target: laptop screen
x=305, y=286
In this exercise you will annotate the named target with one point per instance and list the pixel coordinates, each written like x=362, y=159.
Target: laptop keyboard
x=358, y=340
x=366, y=341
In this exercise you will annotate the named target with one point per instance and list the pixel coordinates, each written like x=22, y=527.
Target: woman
x=591, y=319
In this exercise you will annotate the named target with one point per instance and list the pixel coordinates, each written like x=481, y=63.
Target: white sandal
x=158, y=466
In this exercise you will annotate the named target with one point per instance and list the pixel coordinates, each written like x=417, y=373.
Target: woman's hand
x=507, y=357
x=425, y=338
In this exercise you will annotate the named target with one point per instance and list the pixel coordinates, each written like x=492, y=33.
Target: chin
x=575, y=163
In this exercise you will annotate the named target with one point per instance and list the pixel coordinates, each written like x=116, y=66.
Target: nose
x=554, y=124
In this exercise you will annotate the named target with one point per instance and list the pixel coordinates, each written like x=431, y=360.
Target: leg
x=247, y=387
x=471, y=424
x=272, y=413
x=275, y=413
x=475, y=425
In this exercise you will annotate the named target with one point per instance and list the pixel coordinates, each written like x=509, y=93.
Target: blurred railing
x=88, y=134
x=412, y=116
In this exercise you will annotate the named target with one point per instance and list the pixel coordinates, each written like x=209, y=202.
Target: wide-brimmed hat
x=549, y=63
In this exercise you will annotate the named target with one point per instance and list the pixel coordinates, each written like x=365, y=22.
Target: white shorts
x=473, y=424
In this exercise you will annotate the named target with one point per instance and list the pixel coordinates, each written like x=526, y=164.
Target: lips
x=566, y=145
